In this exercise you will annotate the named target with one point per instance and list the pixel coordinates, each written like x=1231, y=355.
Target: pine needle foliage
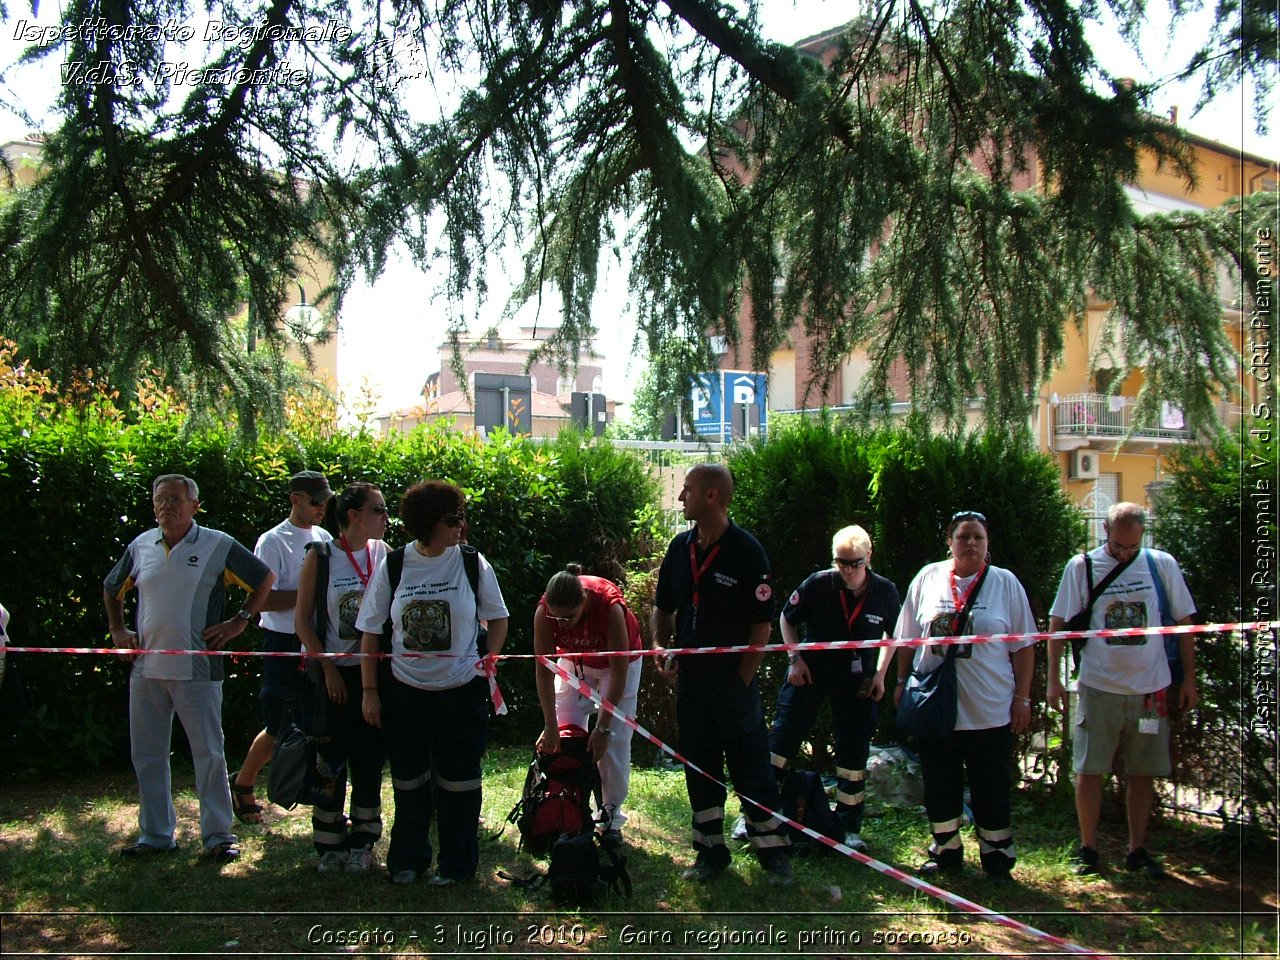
x=942, y=187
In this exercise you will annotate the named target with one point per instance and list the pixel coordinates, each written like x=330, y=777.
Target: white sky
x=390, y=330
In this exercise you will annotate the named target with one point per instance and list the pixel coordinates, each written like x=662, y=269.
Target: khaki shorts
x=1105, y=721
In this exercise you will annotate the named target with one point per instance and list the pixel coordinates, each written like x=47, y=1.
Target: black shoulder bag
x=929, y=700
x=1081, y=620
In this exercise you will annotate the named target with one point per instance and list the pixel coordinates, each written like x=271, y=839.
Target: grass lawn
x=66, y=892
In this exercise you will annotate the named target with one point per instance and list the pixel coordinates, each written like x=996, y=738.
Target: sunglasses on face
x=454, y=519
x=560, y=620
x=853, y=564
x=379, y=509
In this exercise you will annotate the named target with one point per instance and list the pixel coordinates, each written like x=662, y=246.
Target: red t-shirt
x=592, y=631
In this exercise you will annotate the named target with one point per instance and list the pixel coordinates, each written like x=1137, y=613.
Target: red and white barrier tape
x=946, y=896
x=1192, y=628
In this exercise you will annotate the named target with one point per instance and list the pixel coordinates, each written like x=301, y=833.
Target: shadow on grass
x=66, y=890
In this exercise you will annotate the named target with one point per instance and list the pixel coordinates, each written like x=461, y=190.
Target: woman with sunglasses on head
x=434, y=709
x=847, y=601
x=581, y=614
x=967, y=595
x=333, y=581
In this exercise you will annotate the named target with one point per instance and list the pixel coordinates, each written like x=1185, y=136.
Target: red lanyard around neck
x=844, y=605
x=697, y=570
x=962, y=603
x=364, y=575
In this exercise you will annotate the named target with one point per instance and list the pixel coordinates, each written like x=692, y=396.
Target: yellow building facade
x=1085, y=418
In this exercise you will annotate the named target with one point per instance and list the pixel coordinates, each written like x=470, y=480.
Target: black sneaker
x=1140, y=860
x=702, y=871
x=778, y=872
x=137, y=851
x=1086, y=861
x=933, y=870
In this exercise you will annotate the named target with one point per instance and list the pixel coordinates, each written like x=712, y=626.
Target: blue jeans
x=435, y=742
x=281, y=677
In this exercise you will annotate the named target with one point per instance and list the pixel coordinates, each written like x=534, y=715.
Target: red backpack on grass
x=557, y=794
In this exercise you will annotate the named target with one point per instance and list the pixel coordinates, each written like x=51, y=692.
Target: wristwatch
x=243, y=614
x=792, y=657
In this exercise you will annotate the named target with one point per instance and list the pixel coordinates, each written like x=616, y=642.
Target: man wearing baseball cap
x=282, y=548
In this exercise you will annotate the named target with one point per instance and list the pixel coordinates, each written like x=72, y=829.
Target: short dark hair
x=565, y=588
x=355, y=496
x=964, y=516
x=428, y=502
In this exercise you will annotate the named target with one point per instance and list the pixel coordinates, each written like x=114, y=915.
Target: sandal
x=246, y=810
x=224, y=853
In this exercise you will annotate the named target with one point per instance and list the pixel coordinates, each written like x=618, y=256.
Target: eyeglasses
x=561, y=620
x=968, y=515
x=853, y=564
x=380, y=509
x=312, y=500
x=173, y=500
x=454, y=519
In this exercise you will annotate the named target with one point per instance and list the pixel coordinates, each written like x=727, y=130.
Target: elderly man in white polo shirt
x=181, y=571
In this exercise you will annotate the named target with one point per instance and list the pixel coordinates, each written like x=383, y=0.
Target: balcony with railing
x=1103, y=421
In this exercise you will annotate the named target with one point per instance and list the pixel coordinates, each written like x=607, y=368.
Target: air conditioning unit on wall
x=1084, y=465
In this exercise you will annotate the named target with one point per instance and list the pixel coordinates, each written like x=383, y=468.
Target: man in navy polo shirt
x=715, y=589
x=181, y=571
x=846, y=602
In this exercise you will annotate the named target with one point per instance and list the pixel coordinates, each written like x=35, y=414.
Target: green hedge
x=76, y=481
x=1230, y=570
x=814, y=476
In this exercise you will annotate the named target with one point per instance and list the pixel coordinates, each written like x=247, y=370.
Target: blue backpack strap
x=1171, y=652
x=1162, y=598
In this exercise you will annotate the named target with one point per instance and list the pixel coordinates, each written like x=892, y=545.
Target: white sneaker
x=855, y=842
x=332, y=861
x=439, y=881
x=360, y=860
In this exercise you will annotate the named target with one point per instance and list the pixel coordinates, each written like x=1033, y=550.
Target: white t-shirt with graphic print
x=984, y=674
x=345, y=592
x=1128, y=665
x=433, y=611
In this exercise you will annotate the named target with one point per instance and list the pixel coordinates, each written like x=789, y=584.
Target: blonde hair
x=851, y=536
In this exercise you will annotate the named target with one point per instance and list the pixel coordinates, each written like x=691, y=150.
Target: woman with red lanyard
x=966, y=595
x=582, y=614
x=350, y=749
x=847, y=601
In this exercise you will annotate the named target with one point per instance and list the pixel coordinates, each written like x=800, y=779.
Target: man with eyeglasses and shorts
x=181, y=571
x=283, y=549
x=1123, y=682
x=846, y=602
